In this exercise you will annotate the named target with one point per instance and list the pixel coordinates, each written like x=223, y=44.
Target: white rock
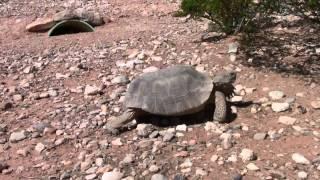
x=276, y=95
x=280, y=107
x=181, y=127
x=247, y=155
x=287, y=120
x=214, y=158
x=158, y=177
x=128, y=159
x=40, y=147
x=168, y=136
x=117, y=142
x=250, y=90
x=302, y=175
x=99, y=162
x=315, y=104
x=141, y=56
x=17, y=97
x=260, y=136
x=179, y=134
x=41, y=24
x=233, y=57
x=144, y=130
x=62, y=76
x=133, y=54
x=112, y=176
x=200, y=69
x=212, y=127
x=238, y=88
x=300, y=159
x=150, y=69
x=90, y=176
x=154, y=168
x=252, y=167
x=18, y=136
x=236, y=99
x=91, y=90
x=300, y=94
x=232, y=158
x=186, y=164
x=226, y=140
x=201, y=172
x=233, y=47
x=156, y=58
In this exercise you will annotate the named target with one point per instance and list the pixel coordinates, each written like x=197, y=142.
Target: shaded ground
x=290, y=47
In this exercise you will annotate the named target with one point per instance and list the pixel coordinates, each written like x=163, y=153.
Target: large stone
x=300, y=159
x=280, y=107
x=91, y=90
x=236, y=99
x=154, y=168
x=41, y=24
x=252, y=167
x=40, y=147
x=18, y=136
x=158, y=177
x=233, y=47
x=260, y=136
x=112, y=176
x=247, y=155
x=315, y=104
x=181, y=127
x=90, y=176
x=226, y=140
x=302, y=175
x=287, y=120
x=168, y=136
x=276, y=95
x=128, y=159
x=144, y=130
x=117, y=142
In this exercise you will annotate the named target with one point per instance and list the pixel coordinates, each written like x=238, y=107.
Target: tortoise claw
x=112, y=131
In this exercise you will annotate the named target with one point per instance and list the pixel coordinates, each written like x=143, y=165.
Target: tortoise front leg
x=220, y=110
x=115, y=123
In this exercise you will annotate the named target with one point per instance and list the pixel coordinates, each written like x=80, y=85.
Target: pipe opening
x=70, y=27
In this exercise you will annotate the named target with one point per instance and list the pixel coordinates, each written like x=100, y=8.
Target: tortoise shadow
x=192, y=119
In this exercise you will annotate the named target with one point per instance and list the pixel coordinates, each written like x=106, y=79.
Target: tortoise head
x=225, y=78
x=223, y=82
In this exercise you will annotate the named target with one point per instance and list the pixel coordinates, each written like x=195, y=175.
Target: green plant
x=229, y=15
x=232, y=16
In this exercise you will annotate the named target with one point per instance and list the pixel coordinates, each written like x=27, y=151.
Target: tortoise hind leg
x=220, y=110
x=115, y=123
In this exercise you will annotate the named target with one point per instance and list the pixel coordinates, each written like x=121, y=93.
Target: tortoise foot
x=220, y=111
x=111, y=130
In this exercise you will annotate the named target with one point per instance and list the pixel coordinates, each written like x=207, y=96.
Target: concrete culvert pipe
x=70, y=27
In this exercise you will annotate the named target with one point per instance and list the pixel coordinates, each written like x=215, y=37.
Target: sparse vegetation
x=241, y=15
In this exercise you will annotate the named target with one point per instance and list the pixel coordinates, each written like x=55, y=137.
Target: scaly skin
x=220, y=110
x=115, y=123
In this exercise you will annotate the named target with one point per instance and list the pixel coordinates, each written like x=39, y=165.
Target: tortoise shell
x=176, y=90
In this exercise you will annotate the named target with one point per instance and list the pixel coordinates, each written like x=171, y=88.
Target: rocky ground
x=57, y=93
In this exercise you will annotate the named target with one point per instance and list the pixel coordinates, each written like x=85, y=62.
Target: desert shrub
x=232, y=16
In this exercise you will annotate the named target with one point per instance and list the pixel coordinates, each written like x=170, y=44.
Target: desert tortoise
x=173, y=91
